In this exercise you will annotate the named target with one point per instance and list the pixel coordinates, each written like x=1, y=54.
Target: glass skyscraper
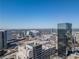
x=3, y=39
x=63, y=29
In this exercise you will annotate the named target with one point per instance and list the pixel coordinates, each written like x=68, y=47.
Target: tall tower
x=3, y=39
x=63, y=29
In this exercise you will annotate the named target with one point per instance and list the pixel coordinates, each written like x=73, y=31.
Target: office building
x=3, y=39
x=64, y=30
x=37, y=50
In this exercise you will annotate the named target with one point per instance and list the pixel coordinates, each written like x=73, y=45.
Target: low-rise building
x=35, y=50
x=29, y=51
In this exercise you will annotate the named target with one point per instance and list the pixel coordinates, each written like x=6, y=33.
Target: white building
x=29, y=51
x=33, y=33
x=21, y=54
x=76, y=36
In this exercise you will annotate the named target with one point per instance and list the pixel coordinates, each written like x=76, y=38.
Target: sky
x=24, y=14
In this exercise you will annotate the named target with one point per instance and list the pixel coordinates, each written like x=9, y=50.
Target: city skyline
x=18, y=14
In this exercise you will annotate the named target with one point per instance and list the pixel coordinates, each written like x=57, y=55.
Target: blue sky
x=38, y=13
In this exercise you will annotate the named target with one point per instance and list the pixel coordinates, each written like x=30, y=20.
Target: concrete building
x=10, y=54
x=29, y=51
x=63, y=29
x=21, y=54
x=73, y=56
x=33, y=33
x=76, y=36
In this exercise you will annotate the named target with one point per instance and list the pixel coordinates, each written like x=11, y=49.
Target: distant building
x=33, y=33
x=63, y=29
x=3, y=39
x=76, y=36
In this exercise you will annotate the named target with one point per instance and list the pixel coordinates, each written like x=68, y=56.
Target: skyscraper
x=63, y=29
x=3, y=39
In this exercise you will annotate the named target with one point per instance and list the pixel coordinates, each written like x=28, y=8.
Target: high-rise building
x=37, y=50
x=63, y=29
x=3, y=39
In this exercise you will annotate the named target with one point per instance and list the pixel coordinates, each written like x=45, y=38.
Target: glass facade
x=37, y=52
x=63, y=28
x=3, y=39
